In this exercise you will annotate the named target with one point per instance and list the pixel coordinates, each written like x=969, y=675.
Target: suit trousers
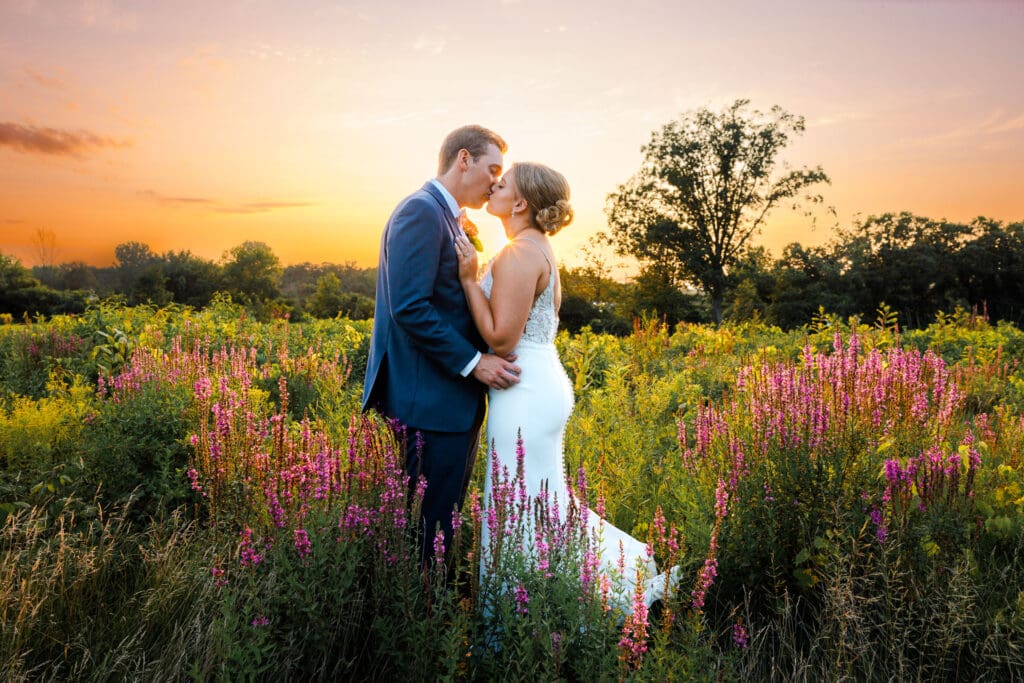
x=446, y=461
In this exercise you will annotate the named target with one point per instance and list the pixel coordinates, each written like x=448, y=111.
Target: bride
x=515, y=308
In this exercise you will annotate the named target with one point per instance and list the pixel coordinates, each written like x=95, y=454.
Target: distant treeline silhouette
x=916, y=266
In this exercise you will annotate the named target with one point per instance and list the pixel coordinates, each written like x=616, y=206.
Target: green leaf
x=805, y=578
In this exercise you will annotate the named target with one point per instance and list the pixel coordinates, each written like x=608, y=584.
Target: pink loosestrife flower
x=606, y=590
x=881, y=531
x=633, y=643
x=739, y=636
x=302, y=543
x=704, y=581
x=522, y=599
x=543, y=563
x=589, y=569
x=219, y=579
x=721, y=500
x=439, y=546
x=248, y=556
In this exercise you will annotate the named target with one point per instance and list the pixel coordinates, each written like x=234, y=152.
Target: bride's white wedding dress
x=538, y=407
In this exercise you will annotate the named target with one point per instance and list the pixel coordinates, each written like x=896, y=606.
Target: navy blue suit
x=423, y=336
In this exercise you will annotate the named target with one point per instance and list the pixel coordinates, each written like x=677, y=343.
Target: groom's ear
x=462, y=159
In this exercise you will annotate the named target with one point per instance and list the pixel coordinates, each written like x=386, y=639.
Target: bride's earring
x=513, y=213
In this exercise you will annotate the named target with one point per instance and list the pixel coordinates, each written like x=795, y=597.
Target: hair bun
x=554, y=218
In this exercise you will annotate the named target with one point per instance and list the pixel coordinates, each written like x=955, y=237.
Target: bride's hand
x=467, y=259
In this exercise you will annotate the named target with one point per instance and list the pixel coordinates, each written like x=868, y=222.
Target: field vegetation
x=194, y=494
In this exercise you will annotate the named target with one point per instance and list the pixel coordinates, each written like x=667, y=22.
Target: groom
x=428, y=366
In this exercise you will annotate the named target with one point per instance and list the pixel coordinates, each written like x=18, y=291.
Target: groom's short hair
x=474, y=139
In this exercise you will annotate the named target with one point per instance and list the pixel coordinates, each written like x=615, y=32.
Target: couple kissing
x=444, y=338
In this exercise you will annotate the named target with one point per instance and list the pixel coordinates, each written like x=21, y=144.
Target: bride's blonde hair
x=546, y=191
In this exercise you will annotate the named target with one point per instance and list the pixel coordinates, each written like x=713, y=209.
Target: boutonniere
x=472, y=232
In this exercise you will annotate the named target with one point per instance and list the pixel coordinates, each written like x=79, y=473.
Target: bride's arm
x=501, y=319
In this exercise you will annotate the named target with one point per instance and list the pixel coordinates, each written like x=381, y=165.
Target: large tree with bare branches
x=706, y=185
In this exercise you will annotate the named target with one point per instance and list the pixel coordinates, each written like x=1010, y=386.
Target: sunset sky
x=200, y=125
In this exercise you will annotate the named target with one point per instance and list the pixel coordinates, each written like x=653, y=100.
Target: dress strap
x=542, y=252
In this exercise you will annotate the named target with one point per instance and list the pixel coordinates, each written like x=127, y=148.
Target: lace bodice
x=542, y=325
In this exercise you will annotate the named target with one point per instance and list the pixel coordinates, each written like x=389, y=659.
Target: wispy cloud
x=206, y=57
x=104, y=15
x=431, y=44
x=1008, y=125
x=838, y=118
x=44, y=80
x=176, y=201
x=292, y=54
x=262, y=207
x=218, y=206
x=996, y=123
x=54, y=141
x=97, y=14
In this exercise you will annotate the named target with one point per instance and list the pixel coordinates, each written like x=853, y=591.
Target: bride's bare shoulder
x=518, y=259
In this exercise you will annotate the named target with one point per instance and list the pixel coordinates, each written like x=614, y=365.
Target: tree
x=750, y=286
x=327, y=300
x=77, y=275
x=330, y=299
x=13, y=275
x=991, y=269
x=191, y=280
x=44, y=243
x=706, y=185
x=805, y=279
x=656, y=290
x=151, y=287
x=133, y=258
x=252, y=272
x=21, y=293
x=905, y=261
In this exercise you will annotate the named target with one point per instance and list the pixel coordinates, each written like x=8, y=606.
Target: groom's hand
x=497, y=372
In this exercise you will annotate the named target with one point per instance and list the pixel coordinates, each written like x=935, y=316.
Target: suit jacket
x=423, y=332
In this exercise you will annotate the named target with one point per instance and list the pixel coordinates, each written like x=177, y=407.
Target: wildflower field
x=194, y=495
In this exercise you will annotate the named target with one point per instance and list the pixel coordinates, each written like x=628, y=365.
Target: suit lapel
x=453, y=227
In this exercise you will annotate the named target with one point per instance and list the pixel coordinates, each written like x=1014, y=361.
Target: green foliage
x=136, y=451
x=40, y=443
x=707, y=182
x=251, y=272
x=13, y=275
x=31, y=355
x=330, y=300
x=191, y=280
x=814, y=587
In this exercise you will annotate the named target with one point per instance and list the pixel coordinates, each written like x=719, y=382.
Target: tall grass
x=96, y=599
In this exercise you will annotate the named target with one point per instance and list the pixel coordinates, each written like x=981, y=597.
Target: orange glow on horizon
x=196, y=127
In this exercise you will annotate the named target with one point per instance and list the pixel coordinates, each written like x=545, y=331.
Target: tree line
x=914, y=266
x=706, y=186
x=250, y=273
